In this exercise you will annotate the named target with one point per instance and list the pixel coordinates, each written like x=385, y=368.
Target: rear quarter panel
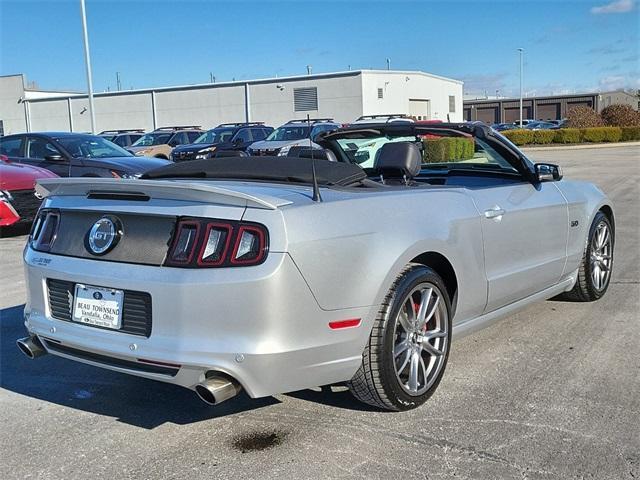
x=351, y=248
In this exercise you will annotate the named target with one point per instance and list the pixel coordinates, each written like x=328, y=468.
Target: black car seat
x=309, y=152
x=398, y=163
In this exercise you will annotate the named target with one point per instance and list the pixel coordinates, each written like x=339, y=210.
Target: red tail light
x=217, y=243
x=44, y=230
x=8, y=214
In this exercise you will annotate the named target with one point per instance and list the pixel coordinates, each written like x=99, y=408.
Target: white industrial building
x=343, y=96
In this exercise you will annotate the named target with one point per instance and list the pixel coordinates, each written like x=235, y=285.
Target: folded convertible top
x=270, y=169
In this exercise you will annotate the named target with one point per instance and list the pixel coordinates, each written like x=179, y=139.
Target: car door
x=242, y=139
x=41, y=152
x=525, y=229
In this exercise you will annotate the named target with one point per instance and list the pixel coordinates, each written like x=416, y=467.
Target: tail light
x=200, y=243
x=44, y=230
x=8, y=214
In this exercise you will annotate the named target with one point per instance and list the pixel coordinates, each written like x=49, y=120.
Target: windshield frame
x=65, y=144
x=153, y=135
x=272, y=137
x=215, y=132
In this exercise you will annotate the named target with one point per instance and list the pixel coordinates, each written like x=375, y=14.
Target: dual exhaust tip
x=215, y=389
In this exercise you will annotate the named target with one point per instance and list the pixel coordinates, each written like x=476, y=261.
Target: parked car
x=225, y=137
x=122, y=138
x=292, y=134
x=541, y=126
x=75, y=155
x=310, y=272
x=560, y=123
x=162, y=141
x=18, y=202
x=501, y=127
x=525, y=122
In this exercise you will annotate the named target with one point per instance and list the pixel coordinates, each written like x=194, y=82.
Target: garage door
x=550, y=111
x=420, y=109
x=487, y=115
x=513, y=114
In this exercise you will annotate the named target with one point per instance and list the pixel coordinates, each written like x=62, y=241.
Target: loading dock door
x=513, y=114
x=420, y=109
x=549, y=111
x=487, y=115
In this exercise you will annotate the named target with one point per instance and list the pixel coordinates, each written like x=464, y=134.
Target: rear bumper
x=261, y=325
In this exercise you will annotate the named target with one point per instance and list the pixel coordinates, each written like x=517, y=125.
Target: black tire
x=377, y=382
x=585, y=289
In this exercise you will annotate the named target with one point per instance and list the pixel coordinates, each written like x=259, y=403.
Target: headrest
x=308, y=152
x=399, y=159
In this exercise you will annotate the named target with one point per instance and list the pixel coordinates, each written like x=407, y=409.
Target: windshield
x=91, y=147
x=152, y=139
x=437, y=151
x=288, y=132
x=217, y=135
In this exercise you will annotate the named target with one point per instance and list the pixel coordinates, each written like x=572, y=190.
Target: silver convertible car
x=358, y=262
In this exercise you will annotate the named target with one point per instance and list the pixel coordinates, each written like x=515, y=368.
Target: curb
x=581, y=147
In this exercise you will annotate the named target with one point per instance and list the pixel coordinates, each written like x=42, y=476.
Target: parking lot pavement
x=551, y=392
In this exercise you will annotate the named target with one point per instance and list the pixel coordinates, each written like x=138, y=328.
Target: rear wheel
x=408, y=348
x=597, y=262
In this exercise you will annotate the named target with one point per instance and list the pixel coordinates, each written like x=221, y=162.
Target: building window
x=1, y=128
x=380, y=93
x=452, y=104
x=305, y=99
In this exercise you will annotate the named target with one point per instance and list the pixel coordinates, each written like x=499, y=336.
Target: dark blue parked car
x=76, y=155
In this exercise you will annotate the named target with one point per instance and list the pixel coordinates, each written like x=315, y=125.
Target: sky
x=570, y=46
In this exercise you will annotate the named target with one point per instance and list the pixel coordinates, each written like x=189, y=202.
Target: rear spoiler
x=144, y=189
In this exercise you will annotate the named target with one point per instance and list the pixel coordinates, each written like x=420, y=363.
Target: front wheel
x=597, y=262
x=408, y=347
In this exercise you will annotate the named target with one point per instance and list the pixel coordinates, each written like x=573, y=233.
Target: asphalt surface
x=552, y=392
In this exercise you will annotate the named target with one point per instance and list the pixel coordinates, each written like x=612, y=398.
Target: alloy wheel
x=601, y=258
x=420, y=339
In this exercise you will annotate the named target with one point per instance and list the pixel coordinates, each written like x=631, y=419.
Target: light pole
x=87, y=62
x=521, y=50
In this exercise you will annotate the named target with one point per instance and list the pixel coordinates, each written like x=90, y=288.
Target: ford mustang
x=356, y=262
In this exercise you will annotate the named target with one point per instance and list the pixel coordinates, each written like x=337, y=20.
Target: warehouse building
x=343, y=96
x=555, y=107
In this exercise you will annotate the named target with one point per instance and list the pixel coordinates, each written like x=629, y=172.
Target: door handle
x=494, y=212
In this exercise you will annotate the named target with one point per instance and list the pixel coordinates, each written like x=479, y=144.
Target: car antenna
x=314, y=179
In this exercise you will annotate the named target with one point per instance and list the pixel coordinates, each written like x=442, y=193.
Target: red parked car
x=18, y=202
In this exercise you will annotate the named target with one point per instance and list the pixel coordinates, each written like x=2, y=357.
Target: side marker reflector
x=350, y=323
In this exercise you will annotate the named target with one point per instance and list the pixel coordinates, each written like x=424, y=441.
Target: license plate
x=98, y=306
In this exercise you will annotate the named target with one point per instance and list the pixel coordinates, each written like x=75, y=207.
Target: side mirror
x=56, y=157
x=237, y=142
x=548, y=172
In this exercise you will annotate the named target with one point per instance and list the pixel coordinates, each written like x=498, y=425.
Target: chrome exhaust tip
x=217, y=388
x=31, y=347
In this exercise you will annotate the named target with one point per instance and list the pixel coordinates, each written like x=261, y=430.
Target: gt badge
x=104, y=235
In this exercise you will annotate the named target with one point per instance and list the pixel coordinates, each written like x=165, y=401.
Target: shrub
x=630, y=133
x=519, y=136
x=583, y=117
x=620, y=116
x=602, y=134
x=543, y=137
x=567, y=135
x=447, y=149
